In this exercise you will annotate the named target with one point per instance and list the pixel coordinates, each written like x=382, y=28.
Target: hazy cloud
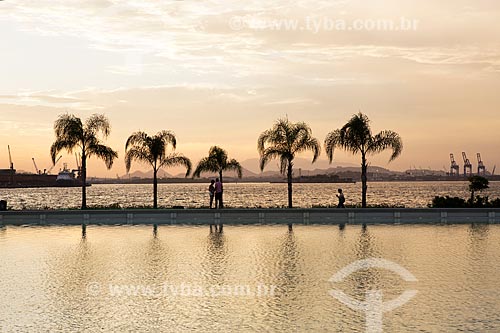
x=181, y=65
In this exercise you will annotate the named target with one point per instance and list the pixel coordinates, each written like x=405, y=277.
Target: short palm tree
x=284, y=141
x=72, y=133
x=152, y=150
x=356, y=137
x=217, y=162
x=477, y=184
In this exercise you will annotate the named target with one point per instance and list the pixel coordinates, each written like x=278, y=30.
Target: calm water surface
x=54, y=280
x=403, y=194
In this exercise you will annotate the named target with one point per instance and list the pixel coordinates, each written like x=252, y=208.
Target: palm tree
x=356, y=137
x=283, y=141
x=72, y=133
x=217, y=161
x=153, y=151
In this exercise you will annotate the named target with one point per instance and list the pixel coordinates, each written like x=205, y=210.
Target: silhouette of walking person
x=341, y=199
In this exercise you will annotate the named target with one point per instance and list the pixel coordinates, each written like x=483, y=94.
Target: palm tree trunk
x=222, y=193
x=364, y=180
x=84, y=180
x=289, y=179
x=155, y=189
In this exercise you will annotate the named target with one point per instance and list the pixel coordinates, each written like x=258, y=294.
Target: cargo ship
x=9, y=178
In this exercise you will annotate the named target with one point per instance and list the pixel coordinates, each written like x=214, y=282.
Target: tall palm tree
x=72, y=133
x=356, y=137
x=217, y=162
x=153, y=151
x=284, y=141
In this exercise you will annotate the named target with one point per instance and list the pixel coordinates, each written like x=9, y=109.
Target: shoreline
x=233, y=182
x=254, y=216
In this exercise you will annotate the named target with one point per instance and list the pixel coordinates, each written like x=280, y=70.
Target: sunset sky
x=215, y=72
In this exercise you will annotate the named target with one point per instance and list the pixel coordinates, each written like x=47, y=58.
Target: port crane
x=467, y=165
x=53, y=166
x=78, y=158
x=481, y=169
x=454, y=168
x=45, y=171
x=38, y=172
x=11, y=167
x=78, y=169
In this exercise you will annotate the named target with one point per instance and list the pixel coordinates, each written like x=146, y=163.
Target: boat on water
x=69, y=178
x=9, y=178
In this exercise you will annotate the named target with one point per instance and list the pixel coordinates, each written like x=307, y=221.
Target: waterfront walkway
x=253, y=216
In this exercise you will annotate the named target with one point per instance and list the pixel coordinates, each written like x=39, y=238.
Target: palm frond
x=311, y=144
x=333, y=140
x=167, y=137
x=278, y=135
x=298, y=136
x=206, y=164
x=261, y=141
x=218, y=155
x=69, y=128
x=153, y=150
x=235, y=166
x=284, y=161
x=105, y=153
x=269, y=154
x=217, y=161
x=140, y=154
x=357, y=132
x=59, y=145
x=137, y=139
x=386, y=140
x=98, y=123
x=176, y=160
x=284, y=140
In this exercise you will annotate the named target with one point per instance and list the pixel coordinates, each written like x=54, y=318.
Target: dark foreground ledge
x=253, y=216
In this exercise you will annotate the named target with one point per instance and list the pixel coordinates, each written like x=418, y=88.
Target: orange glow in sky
x=221, y=71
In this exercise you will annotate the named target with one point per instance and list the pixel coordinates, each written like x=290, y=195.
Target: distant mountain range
x=148, y=174
x=299, y=163
x=302, y=167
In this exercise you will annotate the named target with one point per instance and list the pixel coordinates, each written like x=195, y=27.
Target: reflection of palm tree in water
x=70, y=275
x=155, y=270
x=478, y=232
x=156, y=260
x=214, y=266
x=288, y=256
x=216, y=259
x=364, y=246
x=478, y=241
x=364, y=280
x=288, y=281
x=481, y=263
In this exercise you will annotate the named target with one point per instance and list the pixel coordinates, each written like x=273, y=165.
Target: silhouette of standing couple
x=215, y=191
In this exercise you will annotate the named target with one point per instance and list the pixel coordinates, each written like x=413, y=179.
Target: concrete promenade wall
x=253, y=216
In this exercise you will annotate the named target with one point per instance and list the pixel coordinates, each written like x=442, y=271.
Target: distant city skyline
x=221, y=72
